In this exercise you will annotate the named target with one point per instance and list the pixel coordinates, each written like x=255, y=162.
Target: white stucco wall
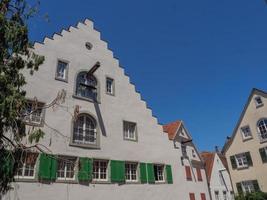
x=217, y=184
x=153, y=145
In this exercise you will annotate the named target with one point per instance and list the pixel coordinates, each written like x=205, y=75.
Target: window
x=258, y=101
x=203, y=196
x=216, y=193
x=241, y=160
x=188, y=173
x=85, y=130
x=110, y=86
x=262, y=128
x=246, y=132
x=199, y=175
x=131, y=172
x=26, y=166
x=193, y=153
x=224, y=195
x=62, y=69
x=86, y=86
x=100, y=168
x=263, y=154
x=34, y=113
x=65, y=168
x=129, y=131
x=159, y=173
x=247, y=186
x=184, y=153
x=192, y=196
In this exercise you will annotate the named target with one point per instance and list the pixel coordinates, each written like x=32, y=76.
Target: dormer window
x=86, y=86
x=258, y=101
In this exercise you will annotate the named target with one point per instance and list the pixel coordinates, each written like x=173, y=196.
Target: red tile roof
x=208, y=159
x=171, y=129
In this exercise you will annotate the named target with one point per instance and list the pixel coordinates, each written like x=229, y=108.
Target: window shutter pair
x=250, y=163
x=47, y=167
x=188, y=173
x=233, y=162
x=117, y=171
x=263, y=155
x=239, y=188
x=199, y=175
x=85, y=169
x=147, y=173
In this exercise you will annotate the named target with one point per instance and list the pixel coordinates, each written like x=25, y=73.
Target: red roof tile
x=171, y=129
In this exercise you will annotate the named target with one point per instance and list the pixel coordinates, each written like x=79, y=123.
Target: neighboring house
x=193, y=179
x=218, y=176
x=246, y=150
x=101, y=140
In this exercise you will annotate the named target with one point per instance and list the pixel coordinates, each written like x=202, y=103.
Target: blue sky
x=191, y=60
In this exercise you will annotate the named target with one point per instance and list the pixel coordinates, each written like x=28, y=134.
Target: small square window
x=110, y=86
x=62, y=68
x=246, y=132
x=129, y=131
x=258, y=101
x=34, y=113
x=241, y=160
x=159, y=173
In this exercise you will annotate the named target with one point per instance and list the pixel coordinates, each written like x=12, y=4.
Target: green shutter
x=150, y=173
x=53, y=168
x=117, y=171
x=256, y=185
x=263, y=155
x=239, y=188
x=85, y=169
x=169, y=174
x=233, y=162
x=143, y=174
x=44, y=167
x=250, y=163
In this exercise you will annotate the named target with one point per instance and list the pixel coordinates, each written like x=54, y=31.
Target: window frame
x=59, y=179
x=30, y=122
x=243, y=159
x=95, y=145
x=112, y=92
x=247, y=185
x=65, y=79
x=135, y=139
x=99, y=180
x=217, y=195
x=262, y=136
x=156, y=175
x=257, y=103
x=243, y=132
x=136, y=172
x=34, y=169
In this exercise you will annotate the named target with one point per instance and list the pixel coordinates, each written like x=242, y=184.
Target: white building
x=218, y=176
x=102, y=141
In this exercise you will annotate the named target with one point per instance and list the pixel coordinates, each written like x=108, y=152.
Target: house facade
x=218, y=176
x=246, y=149
x=101, y=140
x=191, y=166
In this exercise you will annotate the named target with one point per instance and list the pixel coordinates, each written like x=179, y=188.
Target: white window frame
x=30, y=113
x=247, y=186
x=62, y=76
x=243, y=160
x=159, y=176
x=84, y=129
x=127, y=133
x=256, y=101
x=24, y=169
x=66, y=161
x=99, y=171
x=110, y=89
x=262, y=135
x=246, y=132
x=130, y=172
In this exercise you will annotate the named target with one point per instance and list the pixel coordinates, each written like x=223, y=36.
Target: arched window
x=262, y=127
x=85, y=130
x=86, y=86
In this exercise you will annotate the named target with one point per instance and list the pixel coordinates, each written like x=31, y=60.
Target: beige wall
x=258, y=170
